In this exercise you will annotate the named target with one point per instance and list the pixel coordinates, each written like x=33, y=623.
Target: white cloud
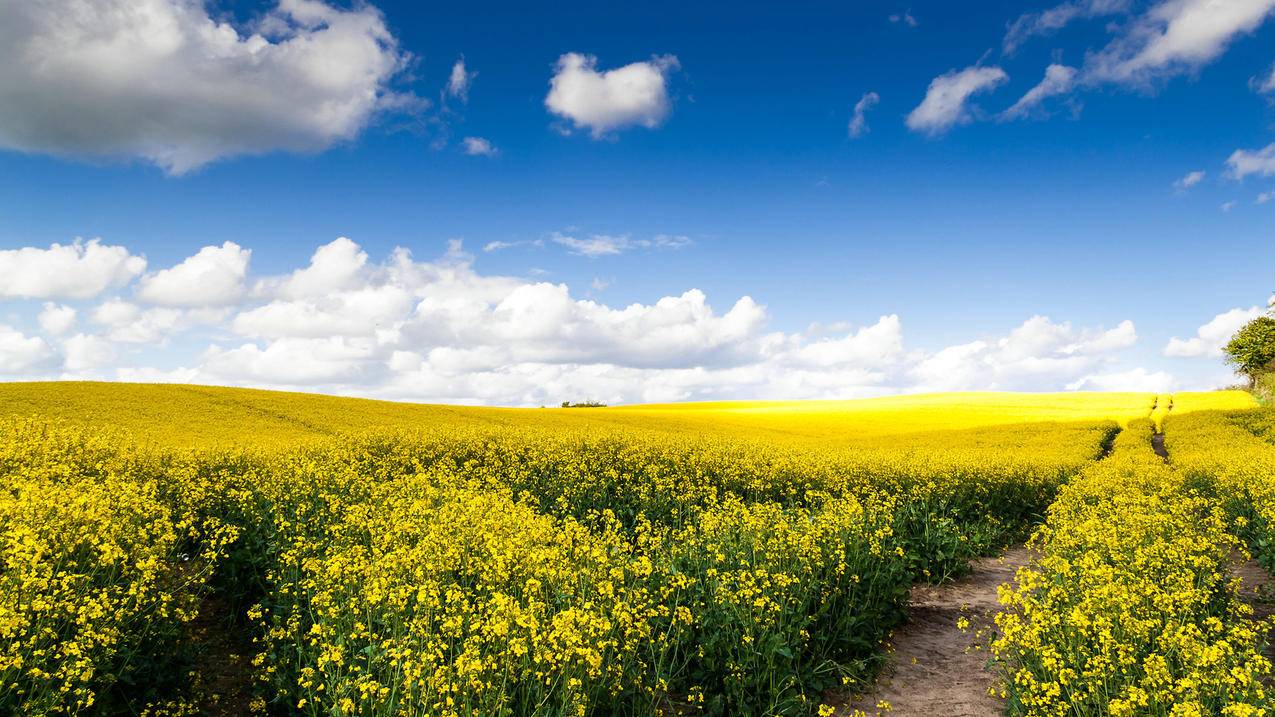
x=1170, y=38
x=357, y=312
x=21, y=354
x=66, y=271
x=84, y=352
x=1035, y=354
x=292, y=361
x=636, y=94
x=1058, y=80
x=1188, y=180
x=335, y=266
x=1264, y=197
x=905, y=17
x=859, y=121
x=1047, y=22
x=945, y=103
x=164, y=81
x=502, y=245
x=1138, y=379
x=460, y=80
x=1228, y=206
x=442, y=331
x=1264, y=84
x=213, y=276
x=597, y=245
x=129, y=323
x=1261, y=162
x=479, y=147
x=1213, y=335
x=55, y=319
x=1175, y=37
x=146, y=374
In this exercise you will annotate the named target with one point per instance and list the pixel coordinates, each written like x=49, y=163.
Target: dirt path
x=936, y=669
x=223, y=662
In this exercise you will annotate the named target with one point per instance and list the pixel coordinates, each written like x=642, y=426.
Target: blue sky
x=727, y=164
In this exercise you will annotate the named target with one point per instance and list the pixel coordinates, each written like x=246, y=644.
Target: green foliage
x=1252, y=349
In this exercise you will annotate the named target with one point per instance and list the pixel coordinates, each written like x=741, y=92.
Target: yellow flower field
x=729, y=559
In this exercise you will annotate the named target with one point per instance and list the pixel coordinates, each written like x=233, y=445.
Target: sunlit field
x=184, y=549
x=180, y=415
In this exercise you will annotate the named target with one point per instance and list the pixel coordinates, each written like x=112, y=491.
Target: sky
x=496, y=203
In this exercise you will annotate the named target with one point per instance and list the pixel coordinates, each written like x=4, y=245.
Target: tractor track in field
x=934, y=667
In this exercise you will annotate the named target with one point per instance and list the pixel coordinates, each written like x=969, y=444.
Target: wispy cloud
x=597, y=245
x=479, y=147
x=1047, y=22
x=1059, y=80
x=1244, y=162
x=1174, y=37
x=492, y=246
x=859, y=121
x=946, y=101
x=460, y=80
x=1188, y=180
x=905, y=18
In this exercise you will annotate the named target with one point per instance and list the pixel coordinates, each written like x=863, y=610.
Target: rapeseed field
x=729, y=559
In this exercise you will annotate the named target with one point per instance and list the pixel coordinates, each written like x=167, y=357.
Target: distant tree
x=1252, y=349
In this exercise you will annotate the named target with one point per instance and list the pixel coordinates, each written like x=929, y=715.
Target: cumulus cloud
x=1175, y=37
x=1188, y=180
x=292, y=361
x=1138, y=379
x=335, y=266
x=55, y=319
x=603, y=101
x=946, y=101
x=21, y=354
x=1037, y=353
x=1243, y=162
x=85, y=352
x=1058, y=80
x=81, y=270
x=1047, y=22
x=859, y=121
x=166, y=82
x=440, y=330
x=1213, y=335
x=479, y=147
x=125, y=322
x=213, y=276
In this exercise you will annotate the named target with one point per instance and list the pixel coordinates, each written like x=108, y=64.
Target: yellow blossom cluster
x=1129, y=607
x=99, y=572
x=730, y=559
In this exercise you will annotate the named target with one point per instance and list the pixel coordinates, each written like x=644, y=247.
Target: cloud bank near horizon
x=440, y=330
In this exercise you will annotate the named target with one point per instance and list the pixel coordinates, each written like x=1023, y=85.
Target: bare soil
x=223, y=668
x=1257, y=588
x=935, y=668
